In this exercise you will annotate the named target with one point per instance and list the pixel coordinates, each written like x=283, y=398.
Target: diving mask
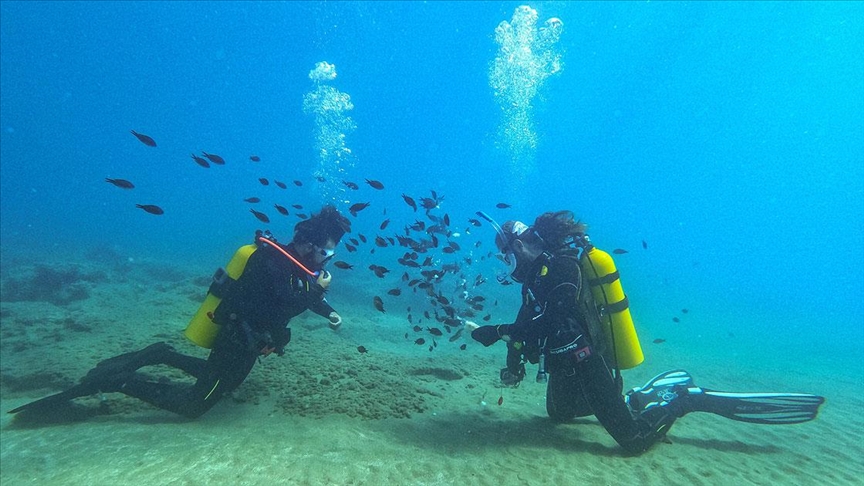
x=505, y=236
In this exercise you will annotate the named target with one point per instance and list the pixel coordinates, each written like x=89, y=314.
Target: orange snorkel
x=289, y=256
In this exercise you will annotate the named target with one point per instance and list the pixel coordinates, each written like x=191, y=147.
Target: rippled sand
x=327, y=414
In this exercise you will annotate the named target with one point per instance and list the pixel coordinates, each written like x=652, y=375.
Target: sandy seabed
x=398, y=414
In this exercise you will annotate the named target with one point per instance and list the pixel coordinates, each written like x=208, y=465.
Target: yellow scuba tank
x=201, y=329
x=618, y=325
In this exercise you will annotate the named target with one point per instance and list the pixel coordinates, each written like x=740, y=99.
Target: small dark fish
x=281, y=209
x=434, y=331
x=144, y=139
x=503, y=206
x=419, y=341
x=280, y=184
x=151, y=208
x=395, y=292
x=264, y=182
x=298, y=183
x=356, y=208
x=475, y=222
x=431, y=348
x=428, y=203
x=410, y=201
x=684, y=311
x=644, y=245
x=350, y=248
x=659, y=341
x=214, y=158
x=343, y=265
x=417, y=328
x=457, y=335
x=362, y=237
x=301, y=215
x=375, y=184
x=463, y=347
x=500, y=400
x=253, y=200
x=446, y=219
x=619, y=251
x=380, y=242
x=487, y=317
x=379, y=270
x=297, y=206
x=121, y=183
x=351, y=185
x=379, y=304
x=675, y=319
x=384, y=224
x=200, y=161
x=261, y=216
x=362, y=349
x=254, y=158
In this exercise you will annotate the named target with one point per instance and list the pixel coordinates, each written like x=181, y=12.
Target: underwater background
x=719, y=144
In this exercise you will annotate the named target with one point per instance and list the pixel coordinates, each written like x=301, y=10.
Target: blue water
x=726, y=136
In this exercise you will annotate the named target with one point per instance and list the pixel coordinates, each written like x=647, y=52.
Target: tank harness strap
x=606, y=279
x=619, y=306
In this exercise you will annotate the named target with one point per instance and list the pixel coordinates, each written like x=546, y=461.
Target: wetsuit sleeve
x=322, y=307
x=519, y=330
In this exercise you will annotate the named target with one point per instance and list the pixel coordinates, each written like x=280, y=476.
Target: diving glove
x=324, y=279
x=335, y=320
x=489, y=335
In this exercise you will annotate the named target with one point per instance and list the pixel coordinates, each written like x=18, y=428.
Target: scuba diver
x=577, y=330
x=277, y=283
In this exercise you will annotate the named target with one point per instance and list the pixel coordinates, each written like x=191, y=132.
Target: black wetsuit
x=559, y=320
x=253, y=315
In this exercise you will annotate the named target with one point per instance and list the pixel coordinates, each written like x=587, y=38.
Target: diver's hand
x=470, y=326
x=489, y=335
x=324, y=279
x=511, y=378
x=335, y=320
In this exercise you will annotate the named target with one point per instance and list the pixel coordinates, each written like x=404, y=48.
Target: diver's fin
x=58, y=399
x=659, y=391
x=757, y=408
x=108, y=376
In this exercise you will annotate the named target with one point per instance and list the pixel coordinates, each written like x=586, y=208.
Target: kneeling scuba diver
x=571, y=334
x=244, y=317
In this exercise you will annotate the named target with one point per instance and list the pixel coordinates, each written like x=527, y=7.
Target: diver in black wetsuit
x=253, y=317
x=559, y=327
